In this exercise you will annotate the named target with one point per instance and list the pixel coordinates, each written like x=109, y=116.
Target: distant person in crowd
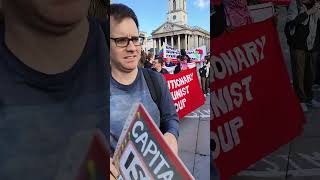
x=129, y=85
x=169, y=62
x=207, y=87
x=204, y=74
x=143, y=59
x=302, y=32
x=177, y=69
x=158, y=66
x=218, y=23
x=184, y=63
x=149, y=61
x=188, y=59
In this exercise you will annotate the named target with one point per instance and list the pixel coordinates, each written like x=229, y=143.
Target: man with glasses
x=128, y=85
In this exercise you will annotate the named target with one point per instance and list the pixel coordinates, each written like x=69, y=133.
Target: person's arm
x=169, y=121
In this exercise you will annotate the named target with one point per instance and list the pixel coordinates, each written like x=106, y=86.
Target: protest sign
x=185, y=90
x=197, y=54
x=142, y=152
x=170, y=69
x=168, y=51
x=254, y=108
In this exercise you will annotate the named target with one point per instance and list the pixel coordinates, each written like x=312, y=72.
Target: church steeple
x=177, y=12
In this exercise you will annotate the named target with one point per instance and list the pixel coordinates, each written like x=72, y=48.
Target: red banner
x=254, y=108
x=185, y=90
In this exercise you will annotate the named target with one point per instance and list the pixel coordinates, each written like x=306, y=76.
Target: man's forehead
x=115, y=29
x=117, y=21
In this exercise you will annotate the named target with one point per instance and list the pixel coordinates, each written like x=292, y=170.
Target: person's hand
x=172, y=141
x=114, y=173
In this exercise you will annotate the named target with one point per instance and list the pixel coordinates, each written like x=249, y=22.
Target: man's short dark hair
x=121, y=11
x=160, y=60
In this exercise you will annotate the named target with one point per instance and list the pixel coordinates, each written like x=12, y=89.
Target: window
x=174, y=5
x=174, y=17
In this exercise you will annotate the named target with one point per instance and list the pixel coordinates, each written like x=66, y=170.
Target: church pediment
x=168, y=27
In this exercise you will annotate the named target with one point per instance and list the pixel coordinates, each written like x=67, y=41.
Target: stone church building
x=176, y=32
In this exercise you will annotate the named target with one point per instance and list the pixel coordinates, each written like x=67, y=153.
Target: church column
x=189, y=42
x=153, y=46
x=165, y=40
x=198, y=40
x=203, y=40
x=185, y=41
x=179, y=42
x=172, y=45
x=159, y=44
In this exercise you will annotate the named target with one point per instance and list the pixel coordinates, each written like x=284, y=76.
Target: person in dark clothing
x=218, y=23
x=168, y=62
x=202, y=73
x=157, y=66
x=177, y=69
x=148, y=62
x=302, y=32
x=54, y=92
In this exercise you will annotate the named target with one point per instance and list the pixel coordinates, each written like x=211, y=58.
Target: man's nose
x=131, y=46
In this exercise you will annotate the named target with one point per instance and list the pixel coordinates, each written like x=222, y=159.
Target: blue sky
x=152, y=13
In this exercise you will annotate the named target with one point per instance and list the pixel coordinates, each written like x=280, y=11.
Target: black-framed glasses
x=124, y=41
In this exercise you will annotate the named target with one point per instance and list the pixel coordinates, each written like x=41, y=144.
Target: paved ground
x=194, y=141
x=298, y=160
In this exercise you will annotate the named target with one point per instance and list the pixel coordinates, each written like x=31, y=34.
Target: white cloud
x=202, y=3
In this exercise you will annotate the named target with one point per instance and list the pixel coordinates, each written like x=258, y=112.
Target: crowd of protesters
x=167, y=66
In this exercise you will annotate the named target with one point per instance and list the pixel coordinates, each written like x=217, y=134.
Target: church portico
x=175, y=31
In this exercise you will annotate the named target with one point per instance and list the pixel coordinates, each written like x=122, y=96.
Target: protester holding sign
x=130, y=84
